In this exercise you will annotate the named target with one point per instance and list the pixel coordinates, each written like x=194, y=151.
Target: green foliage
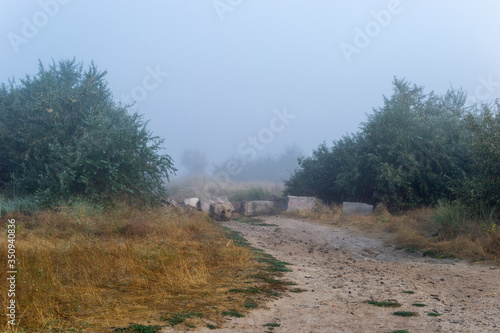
x=405, y=314
x=391, y=303
x=26, y=205
x=179, y=318
x=63, y=135
x=137, y=328
x=414, y=151
x=456, y=218
x=233, y=313
x=483, y=185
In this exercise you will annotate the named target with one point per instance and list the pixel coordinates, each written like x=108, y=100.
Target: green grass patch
x=438, y=255
x=212, y=327
x=251, y=304
x=26, y=205
x=399, y=331
x=434, y=314
x=421, y=305
x=271, y=326
x=254, y=221
x=391, y=303
x=232, y=313
x=411, y=292
x=179, y=318
x=274, y=265
x=136, y=328
x=298, y=290
x=405, y=314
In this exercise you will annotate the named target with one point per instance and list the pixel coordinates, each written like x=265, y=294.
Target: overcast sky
x=241, y=77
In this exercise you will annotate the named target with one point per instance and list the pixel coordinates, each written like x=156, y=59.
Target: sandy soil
x=341, y=269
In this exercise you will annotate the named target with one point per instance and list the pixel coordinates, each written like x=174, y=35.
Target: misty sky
x=240, y=77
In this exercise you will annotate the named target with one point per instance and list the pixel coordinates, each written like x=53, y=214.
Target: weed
x=25, y=205
x=254, y=221
x=405, y=314
x=434, y=314
x=136, y=328
x=408, y=292
x=271, y=326
x=212, y=327
x=179, y=318
x=232, y=313
x=438, y=255
x=399, y=331
x=251, y=304
x=391, y=303
x=419, y=304
x=298, y=290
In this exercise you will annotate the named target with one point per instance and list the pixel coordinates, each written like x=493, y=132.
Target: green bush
x=25, y=205
x=414, y=151
x=456, y=218
x=62, y=135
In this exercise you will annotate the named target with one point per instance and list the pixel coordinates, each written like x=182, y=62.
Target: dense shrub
x=62, y=135
x=414, y=151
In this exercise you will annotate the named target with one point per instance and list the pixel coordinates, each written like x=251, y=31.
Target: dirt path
x=340, y=269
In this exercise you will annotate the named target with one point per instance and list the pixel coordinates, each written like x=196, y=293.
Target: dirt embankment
x=341, y=269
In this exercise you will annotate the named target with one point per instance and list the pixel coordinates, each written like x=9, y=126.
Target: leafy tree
x=62, y=135
x=482, y=187
x=411, y=152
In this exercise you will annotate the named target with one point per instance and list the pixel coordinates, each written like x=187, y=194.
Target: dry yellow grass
x=91, y=272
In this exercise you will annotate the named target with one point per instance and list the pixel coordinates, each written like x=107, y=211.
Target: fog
x=248, y=78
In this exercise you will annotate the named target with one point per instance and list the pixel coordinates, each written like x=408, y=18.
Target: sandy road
x=341, y=269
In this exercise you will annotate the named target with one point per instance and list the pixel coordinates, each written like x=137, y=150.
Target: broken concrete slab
x=357, y=208
x=193, y=202
x=220, y=211
x=303, y=203
x=280, y=203
x=258, y=207
x=206, y=202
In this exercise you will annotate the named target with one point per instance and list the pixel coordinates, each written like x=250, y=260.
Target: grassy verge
x=446, y=231
x=82, y=269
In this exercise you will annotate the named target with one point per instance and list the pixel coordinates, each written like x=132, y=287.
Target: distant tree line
x=271, y=168
x=414, y=151
x=62, y=135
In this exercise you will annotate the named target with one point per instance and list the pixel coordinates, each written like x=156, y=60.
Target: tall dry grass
x=90, y=271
